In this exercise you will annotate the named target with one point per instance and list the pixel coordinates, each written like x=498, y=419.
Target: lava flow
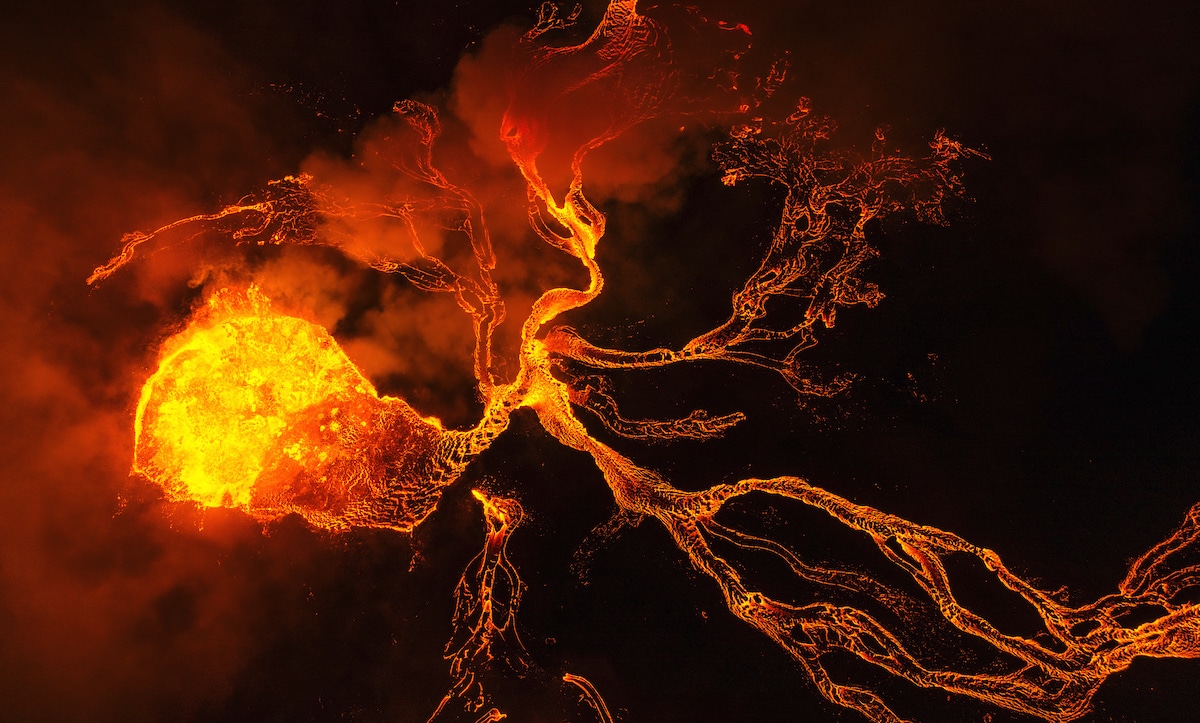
x=261, y=411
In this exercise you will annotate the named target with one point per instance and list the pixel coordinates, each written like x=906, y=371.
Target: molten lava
x=264, y=412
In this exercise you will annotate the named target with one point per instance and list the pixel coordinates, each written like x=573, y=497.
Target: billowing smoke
x=113, y=605
x=101, y=599
x=127, y=116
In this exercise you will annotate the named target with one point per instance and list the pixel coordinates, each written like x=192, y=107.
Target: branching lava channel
x=259, y=410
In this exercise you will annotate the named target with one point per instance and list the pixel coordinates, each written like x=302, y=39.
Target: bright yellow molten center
x=212, y=418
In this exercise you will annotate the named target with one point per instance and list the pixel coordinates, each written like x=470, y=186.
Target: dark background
x=1027, y=383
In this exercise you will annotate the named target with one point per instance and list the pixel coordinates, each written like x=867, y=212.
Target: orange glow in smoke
x=261, y=411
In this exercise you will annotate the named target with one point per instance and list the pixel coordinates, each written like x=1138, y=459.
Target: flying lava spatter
x=255, y=409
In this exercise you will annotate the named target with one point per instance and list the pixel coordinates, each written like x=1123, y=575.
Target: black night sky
x=1028, y=383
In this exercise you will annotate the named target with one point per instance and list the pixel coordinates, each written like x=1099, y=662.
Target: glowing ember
x=264, y=412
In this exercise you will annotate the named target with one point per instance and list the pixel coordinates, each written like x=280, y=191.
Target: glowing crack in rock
x=262, y=411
